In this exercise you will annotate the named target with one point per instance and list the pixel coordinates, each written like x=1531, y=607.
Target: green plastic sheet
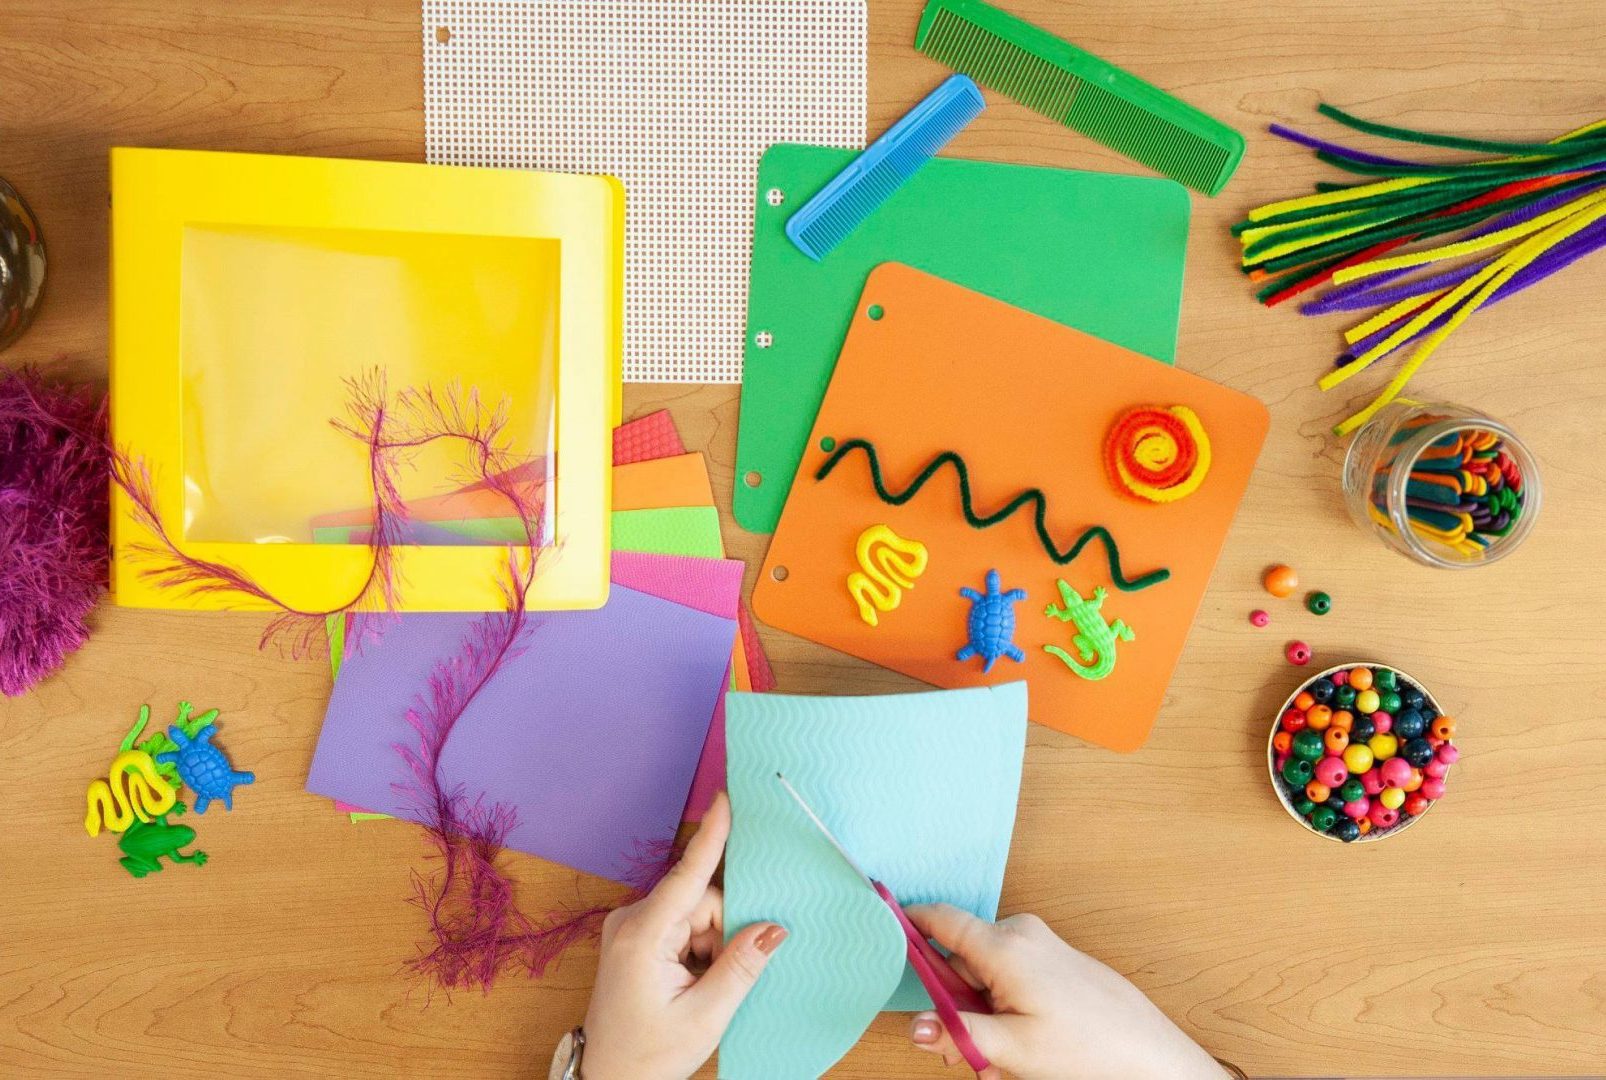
x=1099, y=252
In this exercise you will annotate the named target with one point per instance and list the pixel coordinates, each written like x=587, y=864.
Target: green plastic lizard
x=1094, y=636
x=159, y=743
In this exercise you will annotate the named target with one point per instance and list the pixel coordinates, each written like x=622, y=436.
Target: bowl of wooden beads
x=1360, y=751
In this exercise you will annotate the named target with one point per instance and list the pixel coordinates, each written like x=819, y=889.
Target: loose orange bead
x=1415, y=781
x=1336, y=740
x=1282, y=742
x=1318, y=792
x=1360, y=678
x=1443, y=728
x=1303, y=700
x=1281, y=580
x=1317, y=717
x=1343, y=720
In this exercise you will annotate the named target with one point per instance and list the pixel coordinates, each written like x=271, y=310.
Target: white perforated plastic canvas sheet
x=677, y=98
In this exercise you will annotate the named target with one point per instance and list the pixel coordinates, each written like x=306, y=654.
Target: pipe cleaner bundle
x=54, y=473
x=1508, y=221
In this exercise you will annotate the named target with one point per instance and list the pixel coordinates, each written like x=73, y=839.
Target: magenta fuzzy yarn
x=54, y=485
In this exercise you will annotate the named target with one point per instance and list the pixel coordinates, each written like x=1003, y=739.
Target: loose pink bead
x=1340, y=677
x=1435, y=769
x=1448, y=754
x=1358, y=808
x=1331, y=771
x=1372, y=781
x=1382, y=817
x=1384, y=722
x=1395, y=772
x=1258, y=617
x=1433, y=788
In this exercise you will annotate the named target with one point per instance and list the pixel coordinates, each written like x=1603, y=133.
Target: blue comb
x=886, y=164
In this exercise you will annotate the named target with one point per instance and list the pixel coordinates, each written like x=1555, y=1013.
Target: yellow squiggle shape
x=132, y=788
x=889, y=564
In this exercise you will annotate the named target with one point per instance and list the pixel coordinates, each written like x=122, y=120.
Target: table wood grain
x=1474, y=945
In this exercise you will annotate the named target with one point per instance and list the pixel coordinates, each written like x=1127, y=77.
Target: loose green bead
x=1390, y=702
x=1297, y=771
x=1308, y=745
x=1352, y=790
x=1319, y=603
x=1386, y=680
x=1303, y=806
x=1322, y=818
x=1344, y=696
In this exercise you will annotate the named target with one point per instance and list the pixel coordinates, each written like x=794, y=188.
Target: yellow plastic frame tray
x=180, y=214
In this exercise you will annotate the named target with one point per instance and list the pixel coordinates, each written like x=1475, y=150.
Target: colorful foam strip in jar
x=1445, y=485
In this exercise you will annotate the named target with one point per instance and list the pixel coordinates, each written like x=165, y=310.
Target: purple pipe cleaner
x=1361, y=156
x=1590, y=238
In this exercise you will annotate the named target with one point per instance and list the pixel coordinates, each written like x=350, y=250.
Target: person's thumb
x=725, y=985
x=994, y=1036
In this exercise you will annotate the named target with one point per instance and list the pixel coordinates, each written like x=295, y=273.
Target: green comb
x=1079, y=90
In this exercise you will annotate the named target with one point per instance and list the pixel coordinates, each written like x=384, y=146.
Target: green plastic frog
x=145, y=842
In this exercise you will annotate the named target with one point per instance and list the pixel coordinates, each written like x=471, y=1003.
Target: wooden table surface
x=1473, y=945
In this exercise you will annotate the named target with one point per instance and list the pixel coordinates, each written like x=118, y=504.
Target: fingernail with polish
x=770, y=939
x=924, y=1032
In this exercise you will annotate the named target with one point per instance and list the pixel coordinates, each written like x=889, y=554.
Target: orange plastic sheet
x=929, y=367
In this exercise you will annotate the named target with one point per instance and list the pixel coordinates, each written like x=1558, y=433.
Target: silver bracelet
x=566, y=1059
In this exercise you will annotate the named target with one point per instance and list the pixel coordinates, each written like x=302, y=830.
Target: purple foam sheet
x=591, y=735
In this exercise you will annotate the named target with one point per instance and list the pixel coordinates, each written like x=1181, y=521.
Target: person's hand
x=1060, y=1014
x=652, y=1017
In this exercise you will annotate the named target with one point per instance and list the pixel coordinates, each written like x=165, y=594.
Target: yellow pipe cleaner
x=1405, y=332
x=1389, y=314
x=1327, y=198
x=1446, y=300
x=1509, y=265
x=1468, y=247
x=1249, y=236
x=1309, y=241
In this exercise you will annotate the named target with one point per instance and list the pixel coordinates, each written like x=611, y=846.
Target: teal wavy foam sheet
x=921, y=789
x=1096, y=251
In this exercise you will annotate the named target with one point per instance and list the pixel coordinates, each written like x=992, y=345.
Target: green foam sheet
x=675, y=530
x=1099, y=252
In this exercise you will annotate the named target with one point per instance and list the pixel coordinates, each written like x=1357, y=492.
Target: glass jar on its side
x=22, y=265
x=1445, y=485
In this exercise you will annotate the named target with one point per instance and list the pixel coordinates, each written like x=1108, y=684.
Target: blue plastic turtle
x=203, y=767
x=992, y=623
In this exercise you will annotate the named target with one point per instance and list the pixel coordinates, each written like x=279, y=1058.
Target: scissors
x=949, y=993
